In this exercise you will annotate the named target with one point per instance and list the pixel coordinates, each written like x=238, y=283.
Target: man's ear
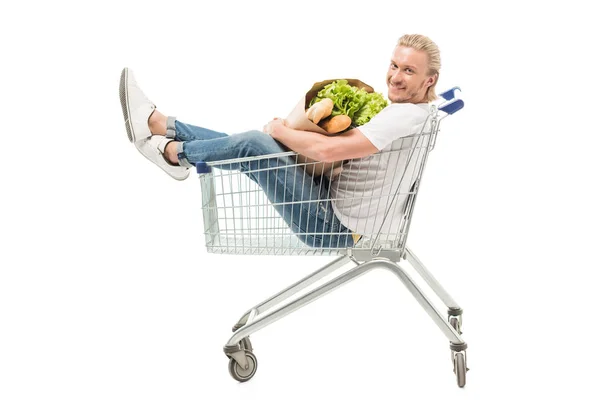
x=431, y=80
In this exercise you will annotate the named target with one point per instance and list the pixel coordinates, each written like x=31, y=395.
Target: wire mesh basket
x=368, y=201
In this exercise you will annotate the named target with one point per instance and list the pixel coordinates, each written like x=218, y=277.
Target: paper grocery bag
x=297, y=120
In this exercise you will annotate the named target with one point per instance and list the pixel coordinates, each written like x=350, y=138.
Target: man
x=411, y=79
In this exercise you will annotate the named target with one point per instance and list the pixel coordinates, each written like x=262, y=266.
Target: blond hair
x=423, y=43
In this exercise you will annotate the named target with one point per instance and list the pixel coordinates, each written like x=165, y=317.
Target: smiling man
x=411, y=78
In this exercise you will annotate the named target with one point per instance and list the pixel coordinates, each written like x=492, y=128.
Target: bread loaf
x=336, y=124
x=320, y=110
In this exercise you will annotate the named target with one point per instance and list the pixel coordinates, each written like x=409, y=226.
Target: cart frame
x=367, y=254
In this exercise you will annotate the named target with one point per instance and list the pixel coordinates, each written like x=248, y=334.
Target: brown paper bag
x=297, y=120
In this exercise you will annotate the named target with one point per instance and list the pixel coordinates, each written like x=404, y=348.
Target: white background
x=106, y=290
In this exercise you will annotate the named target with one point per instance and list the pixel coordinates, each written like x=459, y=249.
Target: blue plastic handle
x=453, y=107
x=202, y=167
x=449, y=94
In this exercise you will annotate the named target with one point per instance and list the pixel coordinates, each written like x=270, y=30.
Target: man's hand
x=274, y=125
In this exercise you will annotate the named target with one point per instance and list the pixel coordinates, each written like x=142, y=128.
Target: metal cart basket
x=244, y=214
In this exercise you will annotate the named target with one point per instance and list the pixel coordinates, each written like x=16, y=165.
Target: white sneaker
x=153, y=149
x=137, y=108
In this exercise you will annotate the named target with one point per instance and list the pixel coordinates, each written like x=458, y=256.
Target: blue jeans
x=311, y=211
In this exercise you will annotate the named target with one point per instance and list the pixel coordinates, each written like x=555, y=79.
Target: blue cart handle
x=453, y=107
x=449, y=94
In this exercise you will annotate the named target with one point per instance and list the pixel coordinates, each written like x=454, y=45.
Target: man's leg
x=159, y=124
x=247, y=144
x=301, y=201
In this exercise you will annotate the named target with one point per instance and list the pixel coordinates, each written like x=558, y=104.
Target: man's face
x=407, y=78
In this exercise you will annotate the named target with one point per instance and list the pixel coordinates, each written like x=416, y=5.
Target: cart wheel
x=240, y=374
x=460, y=369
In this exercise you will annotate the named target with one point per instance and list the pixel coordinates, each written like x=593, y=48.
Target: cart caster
x=246, y=344
x=241, y=374
x=456, y=324
x=460, y=368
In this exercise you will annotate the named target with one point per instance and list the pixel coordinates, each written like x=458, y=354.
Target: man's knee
x=257, y=143
x=260, y=138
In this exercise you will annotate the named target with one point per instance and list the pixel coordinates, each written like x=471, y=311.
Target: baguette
x=336, y=124
x=320, y=110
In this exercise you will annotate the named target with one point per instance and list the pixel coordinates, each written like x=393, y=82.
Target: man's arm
x=350, y=144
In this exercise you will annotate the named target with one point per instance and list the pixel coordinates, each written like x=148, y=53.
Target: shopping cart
x=239, y=218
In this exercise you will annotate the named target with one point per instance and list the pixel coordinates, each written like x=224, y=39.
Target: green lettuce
x=356, y=103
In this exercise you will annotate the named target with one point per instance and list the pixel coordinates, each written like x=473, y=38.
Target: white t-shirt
x=365, y=188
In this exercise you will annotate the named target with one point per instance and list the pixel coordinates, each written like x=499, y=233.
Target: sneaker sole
x=153, y=162
x=125, y=103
